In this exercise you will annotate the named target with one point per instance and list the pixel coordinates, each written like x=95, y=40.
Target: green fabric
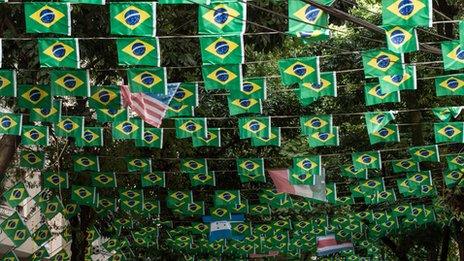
x=445, y=113
x=315, y=123
x=373, y=95
x=222, y=18
x=449, y=85
x=320, y=139
x=15, y=195
x=15, y=229
x=156, y=178
x=137, y=19
x=212, y=139
x=152, y=80
x=251, y=170
x=401, y=39
x=254, y=127
x=455, y=161
x=273, y=140
x=251, y=88
x=91, y=137
x=453, y=56
x=449, y=132
x=138, y=51
x=307, y=21
x=404, y=81
x=105, y=97
x=327, y=86
x=32, y=160
x=388, y=133
x=152, y=138
x=55, y=180
x=408, y=14
x=34, y=135
x=188, y=127
x=406, y=165
x=34, y=96
x=8, y=83
x=367, y=160
x=425, y=153
x=11, y=124
x=48, y=18
x=226, y=198
x=130, y=129
x=104, y=180
x=111, y=115
x=84, y=195
x=244, y=106
x=59, y=52
x=202, y=179
x=299, y=70
x=70, y=126
x=52, y=114
x=138, y=164
x=70, y=83
x=193, y=165
x=382, y=62
x=86, y=163
x=350, y=171
x=222, y=77
x=226, y=49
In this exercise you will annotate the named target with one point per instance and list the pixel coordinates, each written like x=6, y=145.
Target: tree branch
x=395, y=249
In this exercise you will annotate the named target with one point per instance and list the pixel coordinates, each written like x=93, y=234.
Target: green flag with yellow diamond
x=70, y=126
x=55, y=180
x=453, y=55
x=251, y=170
x=212, y=139
x=373, y=95
x=446, y=132
x=327, y=86
x=39, y=254
x=155, y=178
x=8, y=83
x=453, y=178
x=130, y=129
x=387, y=133
x=84, y=195
x=222, y=18
x=152, y=138
x=42, y=235
x=48, y=18
x=91, y=137
x=15, y=195
x=35, y=135
x=202, y=179
x=308, y=164
x=350, y=171
x=138, y=51
x=104, y=180
x=447, y=113
x=367, y=160
x=15, y=229
x=11, y=124
x=226, y=198
x=406, y=165
x=188, y=127
x=449, y=85
x=133, y=18
x=382, y=62
x=70, y=83
x=225, y=49
x=193, y=165
x=244, y=106
x=34, y=96
x=411, y=13
x=299, y=70
x=455, y=161
x=221, y=77
x=307, y=21
x=404, y=81
x=32, y=160
x=425, y=153
x=52, y=207
x=324, y=138
x=59, y=52
x=401, y=39
x=10, y=256
x=138, y=164
x=273, y=140
x=254, y=127
x=151, y=80
x=251, y=88
x=105, y=97
x=112, y=115
x=52, y=114
x=86, y=163
x=315, y=123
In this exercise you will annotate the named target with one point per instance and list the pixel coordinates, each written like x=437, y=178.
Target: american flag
x=151, y=107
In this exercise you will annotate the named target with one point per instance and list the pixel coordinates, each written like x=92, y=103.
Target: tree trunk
x=445, y=244
x=9, y=144
x=400, y=253
x=459, y=238
x=79, y=225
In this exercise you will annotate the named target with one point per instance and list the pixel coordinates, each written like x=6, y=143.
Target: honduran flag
x=222, y=229
x=327, y=245
x=280, y=177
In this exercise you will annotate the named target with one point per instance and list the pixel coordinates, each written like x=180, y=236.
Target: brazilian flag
x=32, y=160
x=91, y=137
x=226, y=198
x=176, y=110
x=86, y=163
x=222, y=18
x=449, y=132
x=425, y=153
x=260, y=210
x=453, y=178
x=138, y=164
x=449, y=85
x=35, y=135
x=15, y=229
x=222, y=77
x=447, y=113
x=62, y=255
x=155, y=178
x=251, y=170
x=406, y=165
x=34, y=96
x=212, y=139
x=52, y=207
x=315, y=123
x=373, y=95
x=70, y=126
x=398, y=82
x=70, y=82
x=175, y=198
x=152, y=138
x=220, y=213
x=251, y=88
x=202, y=179
x=453, y=55
x=11, y=124
x=188, y=127
x=273, y=140
x=59, y=52
x=71, y=210
x=382, y=62
x=133, y=18
x=307, y=21
x=104, y=180
x=105, y=97
x=42, y=235
x=401, y=39
x=193, y=165
x=138, y=51
x=411, y=13
x=241, y=208
x=39, y=254
x=8, y=83
x=455, y=161
x=10, y=256
x=112, y=115
x=151, y=80
x=350, y=171
x=55, y=180
x=299, y=70
x=84, y=195
x=244, y=106
x=295, y=177
x=48, y=18
x=151, y=207
x=130, y=129
x=327, y=86
x=106, y=204
x=222, y=49
x=254, y=127
x=322, y=138
x=52, y=114
x=15, y=195
x=388, y=133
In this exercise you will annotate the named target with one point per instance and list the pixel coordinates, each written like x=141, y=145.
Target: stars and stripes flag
x=327, y=245
x=280, y=177
x=151, y=107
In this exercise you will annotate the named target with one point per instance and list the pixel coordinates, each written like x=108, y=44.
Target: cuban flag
x=327, y=245
x=280, y=177
x=222, y=229
x=151, y=107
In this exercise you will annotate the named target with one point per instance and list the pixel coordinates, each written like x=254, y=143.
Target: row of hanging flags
x=221, y=26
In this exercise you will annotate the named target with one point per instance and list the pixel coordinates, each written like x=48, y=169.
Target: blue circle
x=138, y=49
x=379, y=118
x=222, y=75
x=449, y=131
x=379, y=92
x=45, y=111
x=88, y=136
x=112, y=111
x=311, y=13
x=127, y=127
x=452, y=83
x=35, y=95
x=6, y=122
x=406, y=7
x=47, y=16
x=104, y=96
x=247, y=87
x=33, y=134
x=418, y=178
x=302, y=176
x=366, y=158
x=307, y=164
x=148, y=136
x=371, y=183
x=69, y=81
x=201, y=176
x=132, y=17
x=193, y=164
x=455, y=174
x=397, y=78
x=180, y=94
x=249, y=165
x=85, y=161
x=55, y=179
x=245, y=102
x=315, y=123
x=383, y=132
x=299, y=69
x=397, y=37
x=460, y=53
x=58, y=51
x=253, y=125
x=191, y=126
x=103, y=178
x=222, y=47
x=31, y=158
x=405, y=164
x=147, y=79
x=424, y=153
x=221, y=15
x=383, y=61
x=68, y=125
x=323, y=136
